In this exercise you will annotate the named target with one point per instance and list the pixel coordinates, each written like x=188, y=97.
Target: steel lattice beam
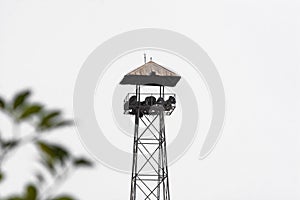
x=149, y=149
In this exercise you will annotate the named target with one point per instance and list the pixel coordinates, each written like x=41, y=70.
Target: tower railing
x=149, y=103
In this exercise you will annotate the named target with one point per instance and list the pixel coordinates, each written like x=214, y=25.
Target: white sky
x=255, y=46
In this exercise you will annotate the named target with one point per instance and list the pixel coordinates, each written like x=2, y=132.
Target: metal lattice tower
x=150, y=180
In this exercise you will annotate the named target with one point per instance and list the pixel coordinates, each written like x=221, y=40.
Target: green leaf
x=48, y=163
x=54, y=152
x=2, y=103
x=62, y=154
x=64, y=197
x=48, y=119
x=50, y=116
x=1, y=141
x=31, y=110
x=46, y=149
x=31, y=193
x=64, y=123
x=20, y=98
x=15, y=198
x=1, y=176
x=52, y=120
x=82, y=162
x=10, y=144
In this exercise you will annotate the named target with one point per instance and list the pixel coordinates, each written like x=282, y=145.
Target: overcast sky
x=254, y=45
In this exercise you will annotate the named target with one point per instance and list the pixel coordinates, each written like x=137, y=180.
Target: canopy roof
x=151, y=73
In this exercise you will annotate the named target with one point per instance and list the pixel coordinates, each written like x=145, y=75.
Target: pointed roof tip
x=151, y=73
x=150, y=67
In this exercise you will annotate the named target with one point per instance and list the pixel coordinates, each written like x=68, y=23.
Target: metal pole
x=167, y=192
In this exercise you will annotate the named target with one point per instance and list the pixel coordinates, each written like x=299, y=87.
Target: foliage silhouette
x=57, y=161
